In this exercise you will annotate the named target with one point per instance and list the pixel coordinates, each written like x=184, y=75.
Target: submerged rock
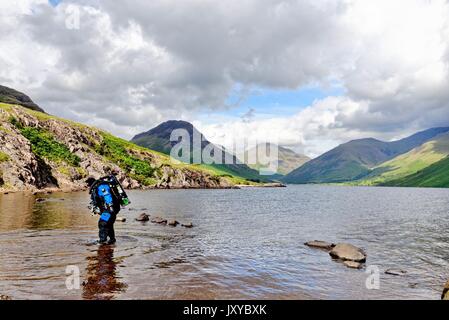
x=348, y=252
x=159, y=220
x=40, y=200
x=320, y=245
x=445, y=294
x=353, y=264
x=143, y=217
x=187, y=225
x=396, y=272
x=172, y=223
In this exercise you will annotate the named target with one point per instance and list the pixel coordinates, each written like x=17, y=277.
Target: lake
x=245, y=244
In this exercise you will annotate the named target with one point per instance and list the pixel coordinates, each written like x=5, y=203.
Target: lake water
x=246, y=244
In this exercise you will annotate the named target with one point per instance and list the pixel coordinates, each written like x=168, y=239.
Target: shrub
x=45, y=146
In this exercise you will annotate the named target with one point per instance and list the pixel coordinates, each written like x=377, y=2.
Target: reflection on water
x=246, y=244
x=102, y=281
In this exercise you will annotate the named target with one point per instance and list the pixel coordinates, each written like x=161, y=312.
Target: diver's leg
x=102, y=231
x=111, y=230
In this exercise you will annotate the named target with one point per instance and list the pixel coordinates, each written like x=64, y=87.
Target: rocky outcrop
x=159, y=220
x=348, y=252
x=320, y=245
x=172, y=223
x=353, y=264
x=143, y=217
x=174, y=178
x=445, y=294
x=395, y=272
x=21, y=169
x=187, y=225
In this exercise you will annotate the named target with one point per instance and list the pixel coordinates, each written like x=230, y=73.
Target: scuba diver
x=107, y=196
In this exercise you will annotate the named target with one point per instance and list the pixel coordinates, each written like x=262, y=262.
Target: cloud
x=135, y=63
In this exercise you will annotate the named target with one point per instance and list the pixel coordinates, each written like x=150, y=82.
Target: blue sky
x=54, y=3
x=272, y=102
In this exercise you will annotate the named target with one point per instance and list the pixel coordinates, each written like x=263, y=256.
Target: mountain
x=409, y=163
x=11, y=96
x=158, y=139
x=288, y=160
x=39, y=151
x=355, y=159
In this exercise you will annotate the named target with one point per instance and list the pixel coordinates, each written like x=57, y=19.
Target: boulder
x=348, y=252
x=445, y=294
x=143, y=217
x=353, y=264
x=172, y=223
x=187, y=225
x=396, y=272
x=159, y=220
x=320, y=245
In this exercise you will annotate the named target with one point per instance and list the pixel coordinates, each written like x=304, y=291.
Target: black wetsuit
x=109, y=207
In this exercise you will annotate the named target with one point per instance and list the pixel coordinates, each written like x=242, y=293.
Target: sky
x=305, y=74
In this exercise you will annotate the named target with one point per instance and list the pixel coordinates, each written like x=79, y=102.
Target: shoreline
x=79, y=189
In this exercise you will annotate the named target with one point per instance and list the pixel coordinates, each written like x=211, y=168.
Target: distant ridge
x=354, y=160
x=11, y=96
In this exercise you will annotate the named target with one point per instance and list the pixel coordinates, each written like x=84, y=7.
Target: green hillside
x=409, y=163
x=355, y=160
x=435, y=176
x=39, y=151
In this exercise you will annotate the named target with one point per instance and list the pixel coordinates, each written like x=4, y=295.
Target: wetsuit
x=109, y=207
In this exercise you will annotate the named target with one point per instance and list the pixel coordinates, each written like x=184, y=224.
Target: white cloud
x=136, y=63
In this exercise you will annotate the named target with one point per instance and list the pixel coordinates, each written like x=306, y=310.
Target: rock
x=445, y=295
x=187, y=225
x=3, y=297
x=40, y=200
x=172, y=223
x=121, y=219
x=395, y=272
x=348, y=252
x=159, y=220
x=353, y=264
x=320, y=245
x=143, y=217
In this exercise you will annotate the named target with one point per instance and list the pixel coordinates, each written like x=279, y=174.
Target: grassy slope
x=409, y=163
x=436, y=175
x=112, y=148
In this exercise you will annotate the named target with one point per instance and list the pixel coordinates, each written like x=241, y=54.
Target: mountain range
x=374, y=162
x=38, y=150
